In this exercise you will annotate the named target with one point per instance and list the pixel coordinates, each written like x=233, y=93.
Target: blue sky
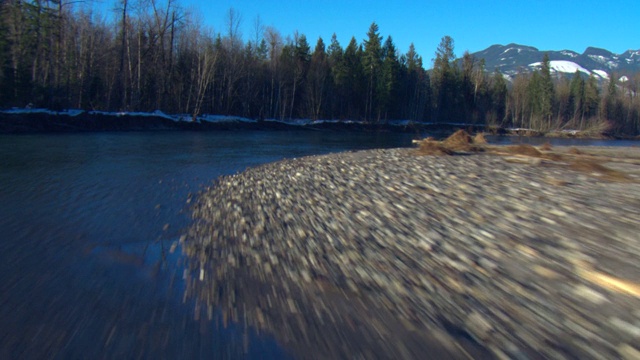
x=474, y=25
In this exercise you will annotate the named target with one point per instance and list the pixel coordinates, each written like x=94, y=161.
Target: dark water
x=86, y=223
x=506, y=140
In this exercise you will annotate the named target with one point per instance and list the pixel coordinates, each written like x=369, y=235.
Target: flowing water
x=87, y=222
x=86, y=225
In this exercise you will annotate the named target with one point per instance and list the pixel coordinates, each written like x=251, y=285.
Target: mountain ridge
x=513, y=58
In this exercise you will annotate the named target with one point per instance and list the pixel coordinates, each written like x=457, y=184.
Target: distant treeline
x=156, y=55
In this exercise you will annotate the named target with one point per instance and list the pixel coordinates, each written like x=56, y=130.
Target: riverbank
x=30, y=121
x=45, y=121
x=387, y=253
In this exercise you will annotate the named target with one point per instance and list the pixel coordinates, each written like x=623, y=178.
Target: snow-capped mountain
x=513, y=58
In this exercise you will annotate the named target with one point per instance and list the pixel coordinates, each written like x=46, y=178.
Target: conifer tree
x=354, y=86
x=319, y=74
x=372, y=64
x=612, y=85
x=546, y=92
x=563, y=101
x=444, y=82
x=339, y=76
x=467, y=88
x=498, y=99
x=417, y=85
x=388, y=86
x=302, y=57
x=612, y=104
x=576, y=96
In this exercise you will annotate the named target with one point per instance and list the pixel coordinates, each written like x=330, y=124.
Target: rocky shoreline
x=388, y=254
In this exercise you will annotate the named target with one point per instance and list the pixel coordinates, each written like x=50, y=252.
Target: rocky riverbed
x=390, y=254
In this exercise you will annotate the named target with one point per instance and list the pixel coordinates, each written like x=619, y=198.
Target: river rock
x=369, y=254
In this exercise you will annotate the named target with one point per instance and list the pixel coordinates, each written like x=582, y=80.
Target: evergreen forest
x=154, y=54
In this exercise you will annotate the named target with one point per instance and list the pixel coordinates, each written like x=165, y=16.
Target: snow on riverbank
x=204, y=118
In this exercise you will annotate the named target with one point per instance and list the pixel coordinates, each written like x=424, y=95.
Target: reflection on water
x=86, y=225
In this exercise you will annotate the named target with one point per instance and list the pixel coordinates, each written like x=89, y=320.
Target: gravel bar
x=386, y=254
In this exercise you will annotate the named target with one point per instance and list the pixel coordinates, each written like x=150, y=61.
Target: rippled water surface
x=86, y=224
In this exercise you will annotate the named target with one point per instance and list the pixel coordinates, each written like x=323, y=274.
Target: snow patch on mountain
x=603, y=74
x=569, y=53
x=511, y=48
x=562, y=66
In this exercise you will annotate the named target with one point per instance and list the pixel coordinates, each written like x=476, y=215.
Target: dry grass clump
x=522, y=149
x=578, y=162
x=527, y=151
x=574, y=151
x=599, y=170
x=432, y=147
x=460, y=141
x=546, y=146
x=479, y=139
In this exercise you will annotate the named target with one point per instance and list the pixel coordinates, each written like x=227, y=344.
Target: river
x=87, y=222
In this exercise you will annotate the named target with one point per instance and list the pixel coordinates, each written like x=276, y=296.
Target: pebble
x=589, y=294
x=628, y=352
x=478, y=326
x=627, y=327
x=359, y=244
